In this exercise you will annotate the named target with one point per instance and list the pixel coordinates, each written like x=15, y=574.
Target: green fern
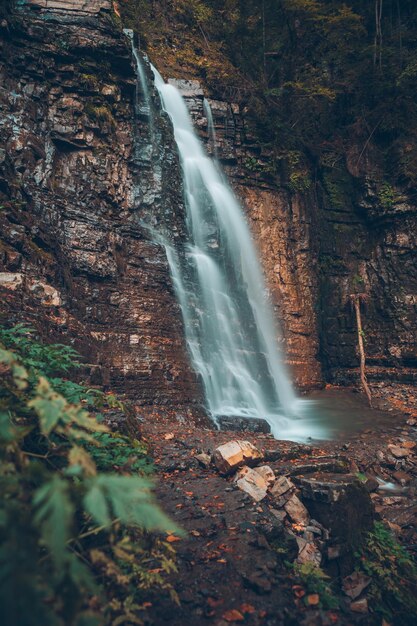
x=58, y=505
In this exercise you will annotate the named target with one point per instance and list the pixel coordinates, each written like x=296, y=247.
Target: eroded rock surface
x=83, y=188
x=318, y=247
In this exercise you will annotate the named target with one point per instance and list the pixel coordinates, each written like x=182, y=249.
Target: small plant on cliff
x=393, y=590
x=75, y=541
x=90, y=82
x=252, y=164
x=386, y=195
x=101, y=115
x=300, y=181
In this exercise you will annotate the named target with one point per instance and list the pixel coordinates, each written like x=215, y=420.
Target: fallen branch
x=356, y=300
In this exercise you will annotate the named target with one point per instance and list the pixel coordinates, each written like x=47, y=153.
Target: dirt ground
x=232, y=562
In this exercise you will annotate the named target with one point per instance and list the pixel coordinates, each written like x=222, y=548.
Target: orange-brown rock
x=234, y=454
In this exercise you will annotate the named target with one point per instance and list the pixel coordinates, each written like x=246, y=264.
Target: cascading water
x=220, y=287
x=227, y=316
x=210, y=126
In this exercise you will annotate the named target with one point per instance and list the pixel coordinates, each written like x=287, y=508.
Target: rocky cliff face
x=283, y=227
x=85, y=184
x=319, y=247
x=80, y=185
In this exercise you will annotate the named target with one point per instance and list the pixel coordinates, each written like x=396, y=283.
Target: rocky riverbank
x=314, y=504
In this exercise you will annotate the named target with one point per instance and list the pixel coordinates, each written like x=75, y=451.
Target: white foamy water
x=228, y=319
x=210, y=126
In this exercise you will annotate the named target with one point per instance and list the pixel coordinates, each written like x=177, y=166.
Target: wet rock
x=267, y=474
x=281, y=486
x=76, y=239
x=359, y=606
x=341, y=503
x=279, y=514
x=234, y=454
x=296, y=510
x=11, y=280
x=252, y=482
x=354, y=584
x=259, y=582
x=48, y=295
x=308, y=552
x=321, y=465
x=243, y=424
x=203, y=459
x=402, y=477
x=399, y=452
x=371, y=483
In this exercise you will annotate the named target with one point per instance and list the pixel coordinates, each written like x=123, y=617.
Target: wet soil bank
x=232, y=565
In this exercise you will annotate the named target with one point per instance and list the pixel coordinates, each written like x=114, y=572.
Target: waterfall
x=227, y=317
x=142, y=105
x=210, y=127
x=228, y=320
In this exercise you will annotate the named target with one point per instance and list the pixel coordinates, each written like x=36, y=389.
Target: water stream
x=228, y=319
x=210, y=127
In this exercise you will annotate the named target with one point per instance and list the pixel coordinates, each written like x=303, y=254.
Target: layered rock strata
x=85, y=191
x=340, y=237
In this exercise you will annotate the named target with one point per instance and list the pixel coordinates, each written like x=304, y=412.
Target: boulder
x=267, y=474
x=399, y=452
x=11, y=280
x=281, y=486
x=354, y=584
x=204, y=459
x=243, y=424
x=252, y=482
x=296, y=510
x=308, y=552
x=359, y=606
x=234, y=454
x=341, y=503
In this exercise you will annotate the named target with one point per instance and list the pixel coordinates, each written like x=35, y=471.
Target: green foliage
x=90, y=82
x=310, y=74
x=300, y=181
x=101, y=114
x=252, y=164
x=44, y=359
x=393, y=590
x=314, y=580
x=361, y=476
x=58, y=509
x=195, y=10
x=120, y=453
x=386, y=195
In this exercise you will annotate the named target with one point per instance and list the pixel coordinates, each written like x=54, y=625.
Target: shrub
x=73, y=538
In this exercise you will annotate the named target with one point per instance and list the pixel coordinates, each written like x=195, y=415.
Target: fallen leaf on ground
x=299, y=592
x=212, y=602
x=172, y=538
x=233, y=616
x=313, y=599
